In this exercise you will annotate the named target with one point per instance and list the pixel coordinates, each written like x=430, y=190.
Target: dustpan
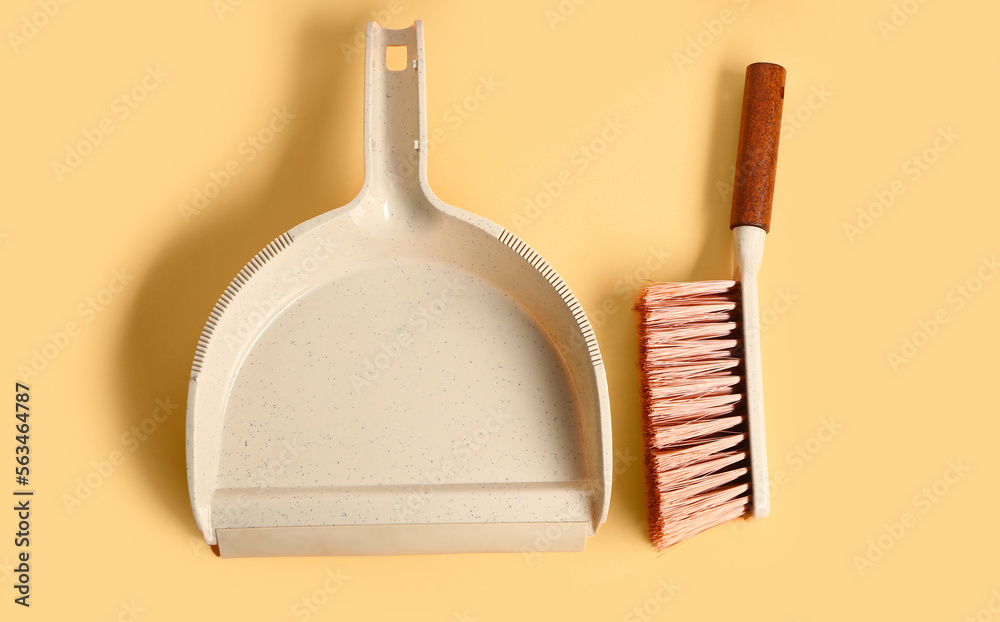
x=397, y=375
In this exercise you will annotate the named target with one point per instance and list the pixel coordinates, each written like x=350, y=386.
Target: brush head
x=694, y=421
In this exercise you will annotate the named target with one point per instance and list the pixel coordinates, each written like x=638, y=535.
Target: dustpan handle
x=757, y=153
x=395, y=122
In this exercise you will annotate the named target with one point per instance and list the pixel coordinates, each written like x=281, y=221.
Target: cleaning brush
x=703, y=406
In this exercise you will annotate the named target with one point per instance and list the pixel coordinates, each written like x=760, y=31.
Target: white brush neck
x=749, y=242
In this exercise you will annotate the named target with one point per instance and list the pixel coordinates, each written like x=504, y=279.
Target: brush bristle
x=693, y=423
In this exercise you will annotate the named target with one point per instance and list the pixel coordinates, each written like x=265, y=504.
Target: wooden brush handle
x=757, y=154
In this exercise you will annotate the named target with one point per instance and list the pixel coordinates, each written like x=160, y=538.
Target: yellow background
x=855, y=294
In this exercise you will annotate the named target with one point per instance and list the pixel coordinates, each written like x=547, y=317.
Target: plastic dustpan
x=397, y=375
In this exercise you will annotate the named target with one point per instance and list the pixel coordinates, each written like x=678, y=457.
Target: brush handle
x=757, y=154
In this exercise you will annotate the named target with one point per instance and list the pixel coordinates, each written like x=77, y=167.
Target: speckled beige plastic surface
x=397, y=375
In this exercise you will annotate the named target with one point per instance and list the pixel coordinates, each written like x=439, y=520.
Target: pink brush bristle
x=693, y=424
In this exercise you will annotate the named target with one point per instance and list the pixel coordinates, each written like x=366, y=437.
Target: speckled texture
x=482, y=361
x=398, y=361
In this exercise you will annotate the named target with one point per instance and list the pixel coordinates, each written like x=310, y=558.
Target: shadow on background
x=716, y=258
x=715, y=261
x=184, y=282
x=186, y=279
